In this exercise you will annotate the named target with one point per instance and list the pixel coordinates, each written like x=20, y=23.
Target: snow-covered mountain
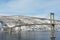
x=10, y=21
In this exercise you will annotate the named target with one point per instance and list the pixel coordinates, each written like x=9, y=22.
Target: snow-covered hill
x=10, y=21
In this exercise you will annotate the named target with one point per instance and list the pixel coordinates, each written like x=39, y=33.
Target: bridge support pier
x=10, y=30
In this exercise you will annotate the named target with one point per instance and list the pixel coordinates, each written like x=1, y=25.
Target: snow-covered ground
x=15, y=20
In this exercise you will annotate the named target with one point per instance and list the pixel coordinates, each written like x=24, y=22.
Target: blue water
x=28, y=35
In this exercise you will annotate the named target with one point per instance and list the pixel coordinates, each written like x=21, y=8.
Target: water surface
x=28, y=35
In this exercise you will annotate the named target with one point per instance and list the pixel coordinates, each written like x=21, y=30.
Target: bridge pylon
x=52, y=26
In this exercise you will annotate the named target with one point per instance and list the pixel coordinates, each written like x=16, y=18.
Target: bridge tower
x=52, y=26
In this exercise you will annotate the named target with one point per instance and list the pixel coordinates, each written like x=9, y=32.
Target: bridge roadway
x=32, y=24
x=11, y=28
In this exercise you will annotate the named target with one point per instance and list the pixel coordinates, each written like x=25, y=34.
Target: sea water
x=28, y=35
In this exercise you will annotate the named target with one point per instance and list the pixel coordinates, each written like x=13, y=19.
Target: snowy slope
x=15, y=20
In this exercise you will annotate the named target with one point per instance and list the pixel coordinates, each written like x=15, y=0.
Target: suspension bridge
x=52, y=24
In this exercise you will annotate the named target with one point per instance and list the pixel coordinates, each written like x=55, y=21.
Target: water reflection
x=19, y=36
x=24, y=35
x=28, y=35
x=52, y=38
